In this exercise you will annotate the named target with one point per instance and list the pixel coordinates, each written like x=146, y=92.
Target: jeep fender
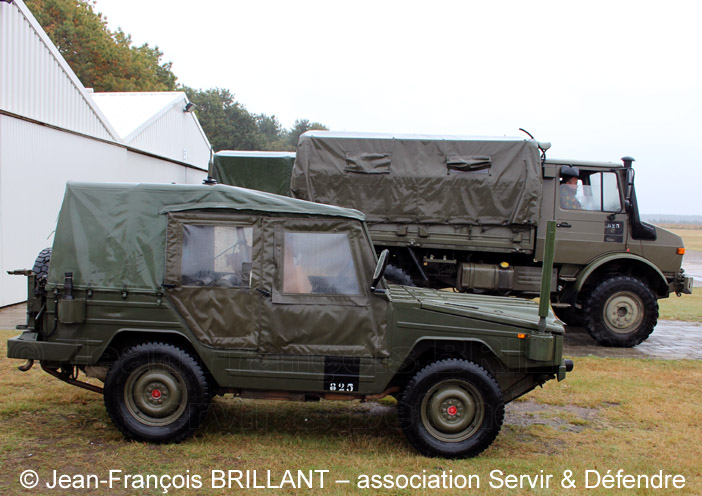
x=585, y=274
x=125, y=336
x=454, y=347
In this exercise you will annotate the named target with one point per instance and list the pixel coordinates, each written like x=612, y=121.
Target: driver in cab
x=569, y=187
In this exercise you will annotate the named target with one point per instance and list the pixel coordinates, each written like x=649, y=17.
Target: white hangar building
x=54, y=130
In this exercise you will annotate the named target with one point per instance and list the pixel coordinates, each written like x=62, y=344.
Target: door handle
x=563, y=224
x=264, y=292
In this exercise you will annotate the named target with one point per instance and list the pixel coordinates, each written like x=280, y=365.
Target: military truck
x=470, y=213
x=171, y=294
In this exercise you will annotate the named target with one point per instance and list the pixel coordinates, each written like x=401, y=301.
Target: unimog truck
x=172, y=294
x=471, y=214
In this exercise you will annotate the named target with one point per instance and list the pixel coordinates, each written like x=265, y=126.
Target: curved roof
x=113, y=235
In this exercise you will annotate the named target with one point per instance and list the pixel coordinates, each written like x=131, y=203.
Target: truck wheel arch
x=652, y=274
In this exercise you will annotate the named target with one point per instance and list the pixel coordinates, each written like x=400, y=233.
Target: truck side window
x=601, y=194
x=611, y=201
x=216, y=255
x=597, y=191
x=319, y=263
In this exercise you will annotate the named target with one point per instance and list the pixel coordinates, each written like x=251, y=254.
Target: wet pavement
x=13, y=315
x=692, y=263
x=671, y=340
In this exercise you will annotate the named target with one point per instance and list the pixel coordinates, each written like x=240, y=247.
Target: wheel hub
x=155, y=395
x=452, y=411
x=623, y=312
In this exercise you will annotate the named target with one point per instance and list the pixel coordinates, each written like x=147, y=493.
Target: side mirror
x=380, y=268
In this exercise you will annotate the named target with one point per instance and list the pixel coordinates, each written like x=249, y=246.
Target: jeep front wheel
x=451, y=408
x=156, y=392
x=621, y=311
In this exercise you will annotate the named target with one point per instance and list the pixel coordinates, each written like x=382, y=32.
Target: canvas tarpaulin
x=263, y=171
x=422, y=179
x=112, y=236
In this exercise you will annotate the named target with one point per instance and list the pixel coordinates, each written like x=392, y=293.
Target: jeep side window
x=319, y=263
x=216, y=255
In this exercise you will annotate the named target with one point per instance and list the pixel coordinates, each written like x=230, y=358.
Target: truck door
x=590, y=217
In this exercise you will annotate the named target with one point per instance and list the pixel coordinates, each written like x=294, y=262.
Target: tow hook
x=28, y=365
x=566, y=366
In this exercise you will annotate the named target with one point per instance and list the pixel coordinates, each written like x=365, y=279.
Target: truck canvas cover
x=263, y=171
x=113, y=236
x=422, y=179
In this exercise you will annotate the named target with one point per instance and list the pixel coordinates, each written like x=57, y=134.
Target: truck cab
x=612, y=266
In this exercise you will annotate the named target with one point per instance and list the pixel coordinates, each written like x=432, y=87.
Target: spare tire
x=41, y=266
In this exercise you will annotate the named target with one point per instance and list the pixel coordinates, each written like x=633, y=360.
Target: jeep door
x=212, y=264
x=317, y=290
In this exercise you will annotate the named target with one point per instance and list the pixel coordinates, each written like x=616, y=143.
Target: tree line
x=107, y=60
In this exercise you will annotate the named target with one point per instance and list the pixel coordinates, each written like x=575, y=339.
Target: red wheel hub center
x=452, y=410
x=155, y=394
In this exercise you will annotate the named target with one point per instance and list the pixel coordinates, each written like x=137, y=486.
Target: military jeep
x=172, y=294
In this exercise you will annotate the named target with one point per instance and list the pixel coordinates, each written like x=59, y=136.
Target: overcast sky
x=598, y=79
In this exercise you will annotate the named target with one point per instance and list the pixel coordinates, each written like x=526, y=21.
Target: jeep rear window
x=319, y=263
x=216, y=255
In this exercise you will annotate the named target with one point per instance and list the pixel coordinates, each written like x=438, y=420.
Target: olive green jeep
x=172, y=294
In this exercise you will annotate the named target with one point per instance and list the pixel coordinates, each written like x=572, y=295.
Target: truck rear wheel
x=452, y=409
x=621, y=311
x=157, y=393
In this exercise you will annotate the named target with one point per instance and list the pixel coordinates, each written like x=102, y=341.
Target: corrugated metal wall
x=36, y=160
x=36, y=82
x=186, y=142
x=35, y=163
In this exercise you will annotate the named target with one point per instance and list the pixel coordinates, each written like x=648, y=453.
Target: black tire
x=621, y=311
x=397, y=275
x=41, y=265
x=451, y=409
x=178, y=399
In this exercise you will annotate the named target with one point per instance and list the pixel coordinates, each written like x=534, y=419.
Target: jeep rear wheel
x=621, y=311
x=452, y=409
x=157, y=393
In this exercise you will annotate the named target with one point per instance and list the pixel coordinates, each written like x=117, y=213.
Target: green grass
x=687, y=307
x=638, y=415
x=691, y=235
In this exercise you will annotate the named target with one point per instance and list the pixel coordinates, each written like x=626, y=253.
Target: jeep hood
x=502, y=309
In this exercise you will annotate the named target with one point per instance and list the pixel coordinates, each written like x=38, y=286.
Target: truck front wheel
x=621, y=311
x=156, y=392
x=452, y=409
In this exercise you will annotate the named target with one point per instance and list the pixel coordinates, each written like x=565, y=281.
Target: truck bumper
x=681, y=284
x=27, y=347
